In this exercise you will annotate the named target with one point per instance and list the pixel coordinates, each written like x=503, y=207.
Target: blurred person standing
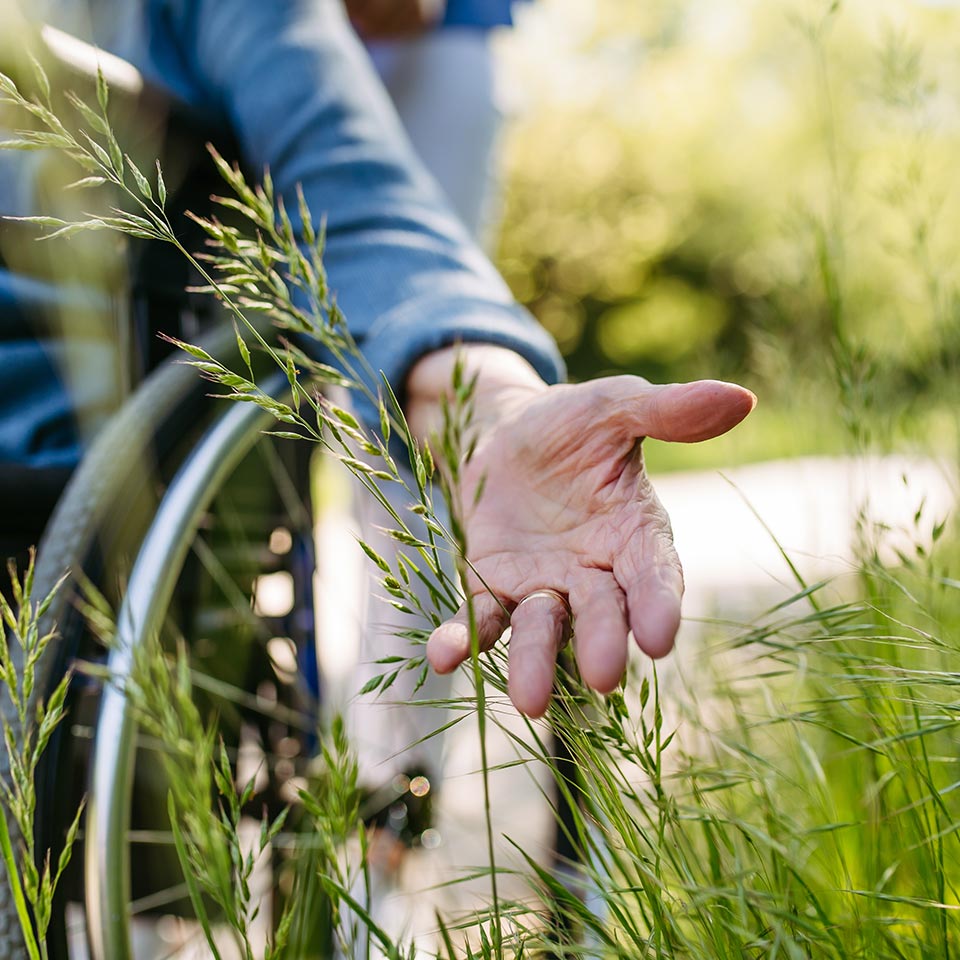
x=436, y=59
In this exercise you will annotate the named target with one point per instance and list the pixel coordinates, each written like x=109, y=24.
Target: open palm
x=566, y=506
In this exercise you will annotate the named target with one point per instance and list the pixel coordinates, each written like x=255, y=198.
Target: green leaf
x=131, y=223
x=64, y=228
x=481, y=486
x=31, y=879
x=8, y=86
x=103, y=91
x=384, y=423
x=371, y=684
x=71, y=228
x=16, y=890
x=90, y=116
x=40, y=75
x=188, y=870
x=83, y=159
x=193, y=350
x=291, y=372
x=51, y=713
x=40, y=221
x=143, y=184
x=344, y=416
x=277, y=824
x=224, y=168
x=246, y=796
x=388, y=682
x=222, y=775
x=116, y=154
x=49, y=598
x=420, y=469
x=68, y=844
x=94, y=181
x=282, y=933
x=335, y=889
x=401, y=536
x=21, y=144
x=392, y=587
x=375, y=557
x=232, y=203
x=306, y=221
x=161, y=186
x=38, y=139
x=331, y=375
x=268, y=191
x=42, y=901
x=356, y=466
x=243, y=348
x=98, y=150
x=47, y=116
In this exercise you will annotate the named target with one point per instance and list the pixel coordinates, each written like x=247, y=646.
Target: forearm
x=292, y=82
x=303, y=100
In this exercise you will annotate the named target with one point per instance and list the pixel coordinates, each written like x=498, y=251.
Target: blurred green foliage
x=745, y=190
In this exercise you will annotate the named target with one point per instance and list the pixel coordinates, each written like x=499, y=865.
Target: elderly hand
x=567, y=508
x=384, y=19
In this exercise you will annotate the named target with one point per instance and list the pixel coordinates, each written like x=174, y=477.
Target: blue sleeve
x=478, y=13
x=302, y=98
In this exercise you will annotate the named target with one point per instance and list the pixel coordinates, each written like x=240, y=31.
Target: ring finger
x=540, y=625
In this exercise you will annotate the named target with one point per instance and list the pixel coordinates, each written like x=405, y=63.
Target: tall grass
x=32, y=876
x=796, y=799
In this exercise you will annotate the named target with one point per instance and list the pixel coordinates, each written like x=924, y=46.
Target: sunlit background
x=747, y=190
x=755, y=191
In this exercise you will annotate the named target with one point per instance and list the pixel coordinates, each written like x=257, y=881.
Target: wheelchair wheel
x=198, y=528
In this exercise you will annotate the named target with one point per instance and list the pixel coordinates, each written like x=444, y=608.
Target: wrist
x=504, y=382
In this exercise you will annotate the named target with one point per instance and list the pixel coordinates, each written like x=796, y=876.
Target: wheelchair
x=198, y=528
x=194, y=527
x=233, y=511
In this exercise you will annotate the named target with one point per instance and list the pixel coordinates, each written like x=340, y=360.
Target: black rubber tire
x=103, y=510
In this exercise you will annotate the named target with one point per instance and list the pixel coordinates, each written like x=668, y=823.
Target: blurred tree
x=740, y=189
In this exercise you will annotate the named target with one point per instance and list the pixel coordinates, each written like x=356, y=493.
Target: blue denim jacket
x=297, y=89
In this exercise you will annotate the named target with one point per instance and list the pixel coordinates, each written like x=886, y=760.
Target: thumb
x=679, y=412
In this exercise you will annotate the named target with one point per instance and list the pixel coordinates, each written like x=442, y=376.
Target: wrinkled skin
x=566, y=505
